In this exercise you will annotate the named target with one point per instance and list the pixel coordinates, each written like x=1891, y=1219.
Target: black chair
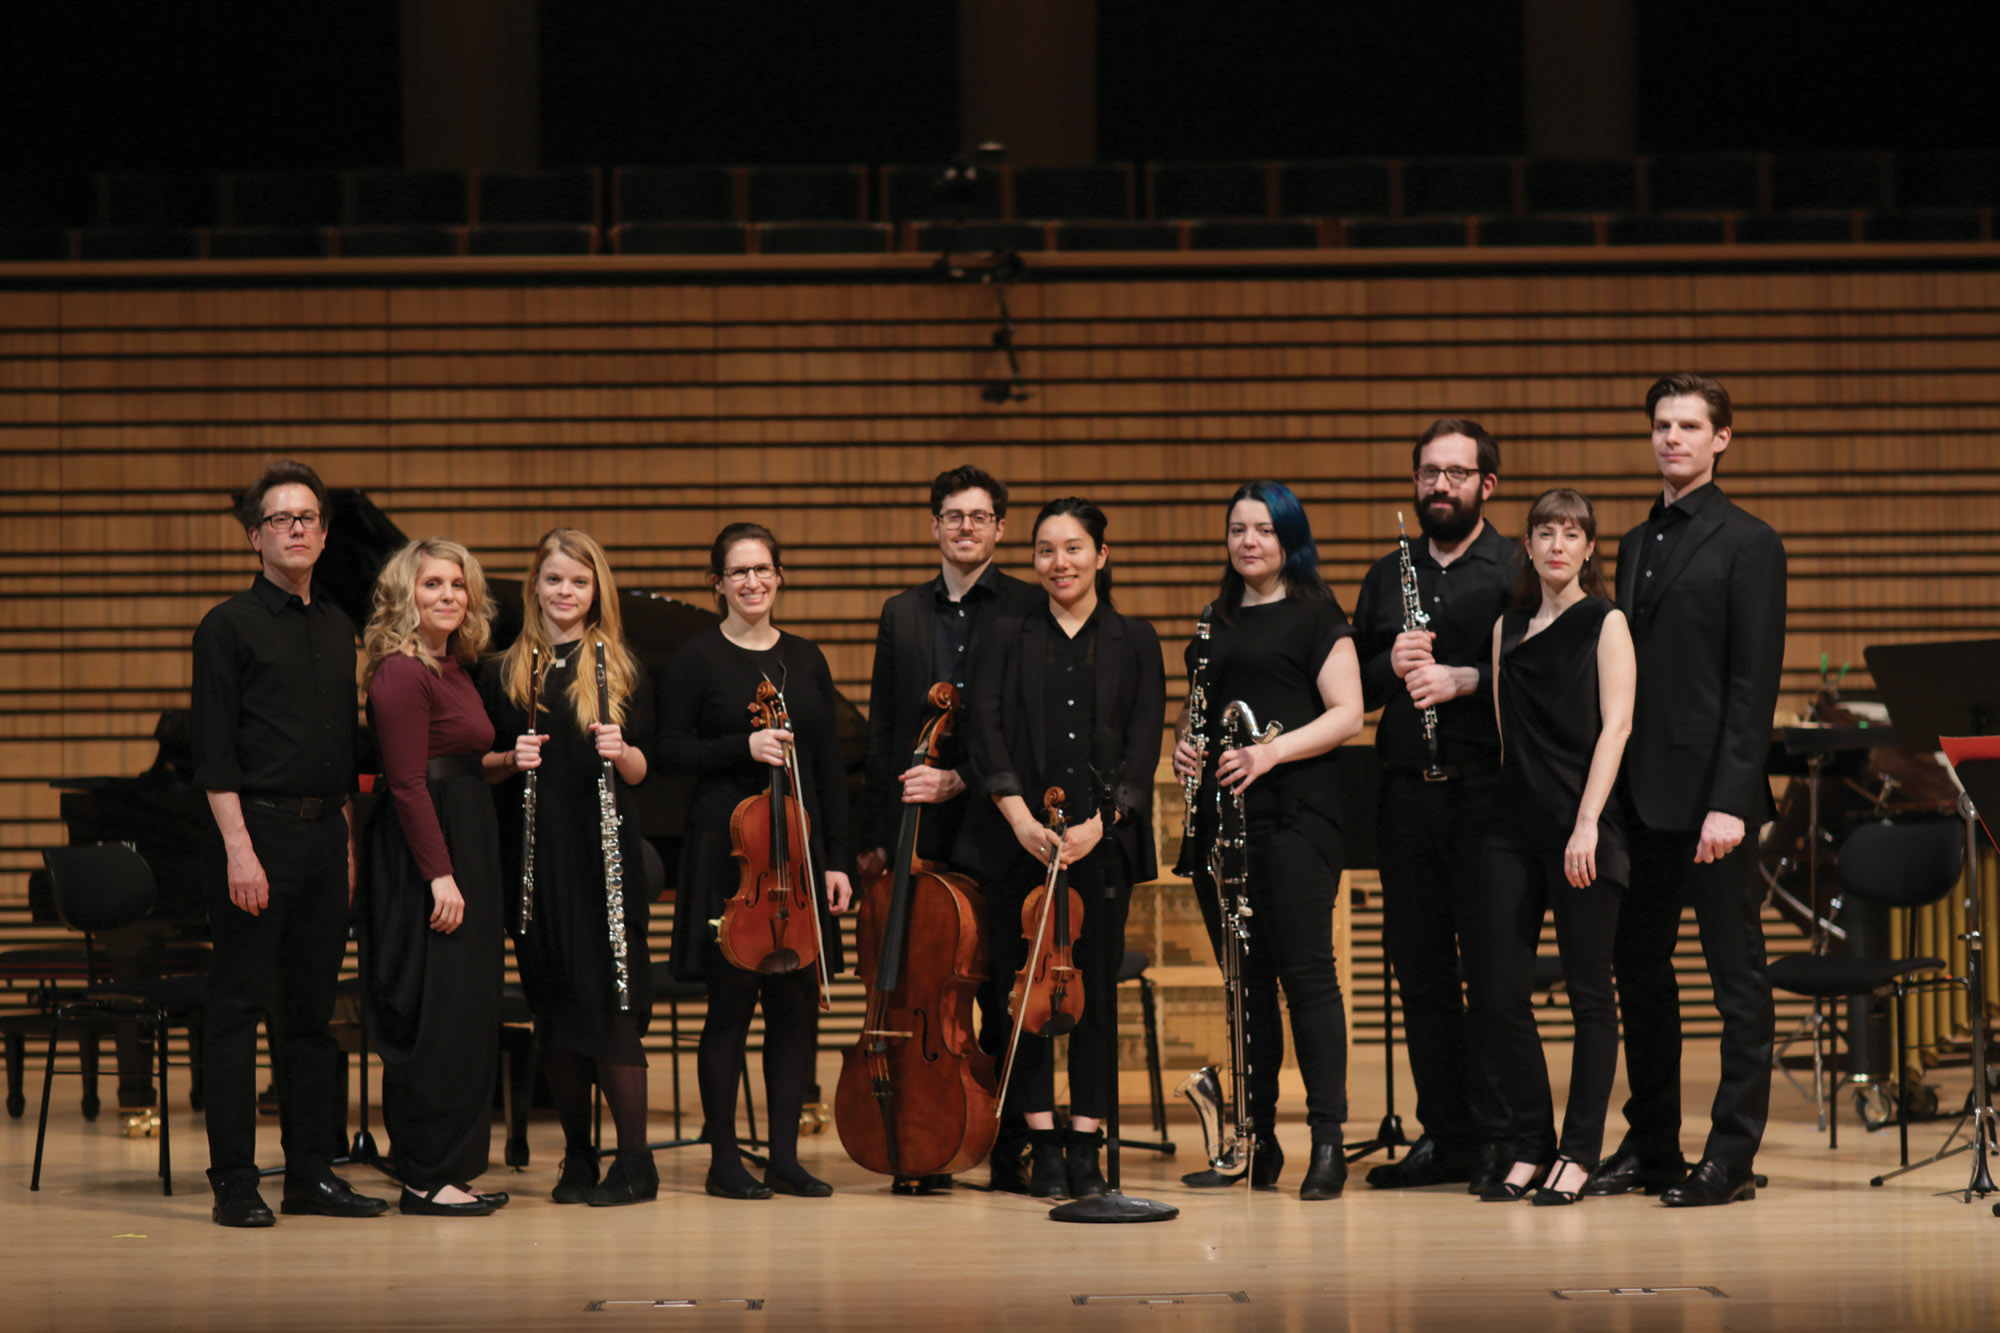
x=1133, y=968
x=1826, y=180
x=1068, y=194
x=47, y=969
x=1968, y=179
x=1899, y=864
x=673, y=194
x=1118, y=236
x=981, y=238
x=99, y=888
x=1582, y=184
x=1664, y=229
x=268, y=243
x=43, y=199
x=825, y=238
x=400, y=242
x=1382, y=234
x=1343, y=188
x=33, y=244
x=532, y=238
x=1922, y=224
x=159, y=199
x=1543, y=230
x=1209, y=190
x=1291, y=234
x=912, y=193
x=1795, y=229
x=567, y=194
x=285, y=199
x=408, y=198
x=681, y=238
x=1454, y=185
x=808, y=194
x=1702, y=183
x=139, y=243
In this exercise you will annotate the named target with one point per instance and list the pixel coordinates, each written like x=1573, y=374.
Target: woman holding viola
x=706, y=729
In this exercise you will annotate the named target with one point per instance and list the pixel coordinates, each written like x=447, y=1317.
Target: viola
x=771, y=923
x=1048, y=990
x=916, y=1093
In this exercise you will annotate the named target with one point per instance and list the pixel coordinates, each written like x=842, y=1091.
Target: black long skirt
x=434, y=999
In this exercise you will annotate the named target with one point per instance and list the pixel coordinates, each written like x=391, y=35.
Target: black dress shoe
x=756, y=1189
x=1326, y=1174
x=800, y=1185
x=329, y=1196
x=1709, y=1184
x=237, y=1204
x=421, y=1203
x=1625, y=1171
x=1504, y=1190
x=1548, y=1196
x=1489, y=1163
x=1267, y=1163
x=1425, y=1164
x=496, y=1199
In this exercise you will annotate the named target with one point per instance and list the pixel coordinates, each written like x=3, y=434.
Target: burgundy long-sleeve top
x=418, y=715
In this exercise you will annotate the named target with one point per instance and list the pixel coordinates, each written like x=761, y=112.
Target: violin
x=916, y=1092
x=1048, y=990
x=771, y=923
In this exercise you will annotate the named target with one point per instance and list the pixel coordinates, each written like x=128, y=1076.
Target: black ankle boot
x=1326, y=1176
x=1267, y=1163
x=1008, y=1164
x=1080, y=1160
x=1048, y=1178
x=578, y=1178
x=632, y=1179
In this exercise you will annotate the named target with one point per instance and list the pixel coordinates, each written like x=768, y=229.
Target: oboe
x=1415, y=618
x=1197, y=731
x=614, y=857
x=528, y=795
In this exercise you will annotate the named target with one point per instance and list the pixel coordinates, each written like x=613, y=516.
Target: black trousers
x=1292, y=892
x=1519, y=882
x=1726, y=896
x=293, y=948
x=1093, y=1081
x=1430, y=836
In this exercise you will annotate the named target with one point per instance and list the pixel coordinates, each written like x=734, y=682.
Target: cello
x=1048, y=990
x=915, y=1089
x=771, y=923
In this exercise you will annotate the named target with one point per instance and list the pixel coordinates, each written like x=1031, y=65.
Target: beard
x=1447, y=525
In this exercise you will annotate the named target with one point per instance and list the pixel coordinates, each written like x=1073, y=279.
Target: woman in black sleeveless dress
x=1563, y=679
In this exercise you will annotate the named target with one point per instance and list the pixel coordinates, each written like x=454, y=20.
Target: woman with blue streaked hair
x=1280, y=643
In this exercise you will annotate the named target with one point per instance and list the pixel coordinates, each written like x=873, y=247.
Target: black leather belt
x=454, y=766
x=1471, y=768
x=299, y=807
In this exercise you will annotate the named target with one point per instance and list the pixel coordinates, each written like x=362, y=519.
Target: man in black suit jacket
x=929, y=633
x=1703, y=583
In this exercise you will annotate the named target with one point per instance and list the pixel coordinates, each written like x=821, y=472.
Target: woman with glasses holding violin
x=1070, y=695
x=707, y=729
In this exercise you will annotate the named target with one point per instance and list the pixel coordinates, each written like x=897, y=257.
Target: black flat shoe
x=1426, y=1163
x=801, y=1186
x=416, y=1203
x=756, y=1189
x=498, y=1199
x=1548, y=1196
x=1712, y=1183
x=1326, y=1174
x=1626, y=1171
x=1506, y=1191
x=329, y=1196
x=237, y=1204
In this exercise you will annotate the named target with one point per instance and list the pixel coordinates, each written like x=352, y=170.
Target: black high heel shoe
x=1548, y=1196
x=1505, y=1191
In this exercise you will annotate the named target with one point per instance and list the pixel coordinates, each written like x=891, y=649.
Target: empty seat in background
x=1068, y=194
x=399, y=242
x=1581, y=184
x=825, y=238
x=568, y=194
x=1546, y=229
x=1922, y=224
x=808, y=194
x=285, y=199
x=1826, y=180
x=1801, y=228
x=47, y=199
x=1667, y=229
x=269, y=243
x=532, y=238
x=1702, y=183
x=673, y=194
x=140, y=243
x=916, y=193
x=410, y=198
x=682, y=238
x=1384, y=234
x=1234, y=234
x=1966, y=179
x=1344, y=188
x=1118, y=236
x=33, y=244
x=1209, y=190
x=981, y=238
x=1457, y=185
x=159, y=199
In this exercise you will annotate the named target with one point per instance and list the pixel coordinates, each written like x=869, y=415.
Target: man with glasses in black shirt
x=274, y=722
x=1434, y=806
x=927, y=634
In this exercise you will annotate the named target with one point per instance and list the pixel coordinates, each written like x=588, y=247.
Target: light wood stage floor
x=99, y=1247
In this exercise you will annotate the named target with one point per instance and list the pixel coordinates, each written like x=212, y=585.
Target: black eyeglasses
x=1457, y=476
x=311, y=520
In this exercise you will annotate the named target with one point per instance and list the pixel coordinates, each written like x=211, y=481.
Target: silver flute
x=528, y=795
x=1197, y=728
x=608, y=821
x=1415, y=618
x=1226, y=1129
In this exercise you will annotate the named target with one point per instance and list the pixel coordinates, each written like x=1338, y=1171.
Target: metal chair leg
x=42, y=1129
x=166, y=1143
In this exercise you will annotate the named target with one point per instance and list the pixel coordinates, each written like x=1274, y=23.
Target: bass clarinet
x=1414, y=618
x=1226, y=1129
x=608, y=820
x=1197, y=715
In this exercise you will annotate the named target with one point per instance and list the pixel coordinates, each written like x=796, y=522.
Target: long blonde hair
x=601, y=623
x=392, y=627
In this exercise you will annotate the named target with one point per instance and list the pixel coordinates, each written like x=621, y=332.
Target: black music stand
x=1360, y=771
x=1939, y=694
